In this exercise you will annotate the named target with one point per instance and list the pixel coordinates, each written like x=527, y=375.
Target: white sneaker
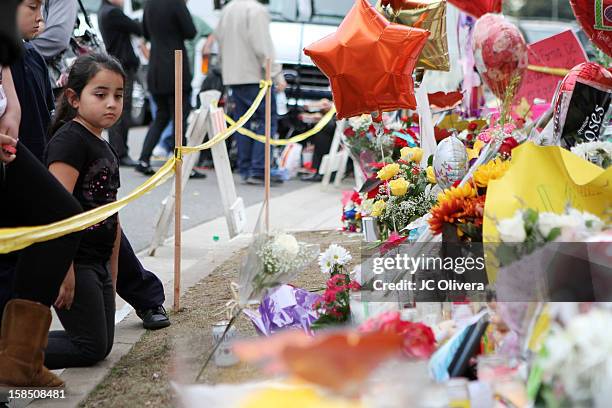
x=159, y=151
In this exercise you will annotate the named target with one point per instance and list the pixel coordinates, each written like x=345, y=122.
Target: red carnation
x=472, y=126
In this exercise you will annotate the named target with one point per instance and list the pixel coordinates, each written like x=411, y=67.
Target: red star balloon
x=478, y=8
x=369, y=62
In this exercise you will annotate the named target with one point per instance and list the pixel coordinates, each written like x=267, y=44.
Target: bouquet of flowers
x=535, y=229
x=371, y=141
x=351, y=211
x=273, y=260
x=461, y=208
x=405, y=192
x=598, y=153
x=574, y=367
x=334, y=307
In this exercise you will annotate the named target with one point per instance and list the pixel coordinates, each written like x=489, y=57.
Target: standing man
x=60, y=17
x=166, y=24
x=245, y=43
x=117, y=29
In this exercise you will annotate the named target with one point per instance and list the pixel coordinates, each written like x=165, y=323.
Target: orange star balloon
x=369, y=62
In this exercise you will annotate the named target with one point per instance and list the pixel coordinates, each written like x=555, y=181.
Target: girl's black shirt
x=97, y=184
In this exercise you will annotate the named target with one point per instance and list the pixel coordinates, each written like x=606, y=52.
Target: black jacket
x=167, y=24
x=116, y=29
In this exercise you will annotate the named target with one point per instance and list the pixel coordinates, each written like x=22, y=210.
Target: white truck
x=295, y=24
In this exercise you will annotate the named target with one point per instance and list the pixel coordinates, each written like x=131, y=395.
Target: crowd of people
x=52, y=119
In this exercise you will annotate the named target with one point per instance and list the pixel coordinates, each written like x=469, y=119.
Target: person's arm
x=59, y=26
x=261, y=41
x=207, y=49
x=9, y=122
x=67, y=176
x=186, y=26
x=114, y=260
x=122, y=23
x=145, y=27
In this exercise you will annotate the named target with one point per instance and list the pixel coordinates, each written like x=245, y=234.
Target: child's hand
x=7, y=148
x=66, y=293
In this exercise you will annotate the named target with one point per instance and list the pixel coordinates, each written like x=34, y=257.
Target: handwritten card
x=559, y=51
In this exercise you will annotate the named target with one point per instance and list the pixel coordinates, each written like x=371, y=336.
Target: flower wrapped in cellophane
x=273, y=260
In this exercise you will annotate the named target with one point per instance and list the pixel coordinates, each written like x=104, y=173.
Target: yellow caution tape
x=295, y=139
x=218, y=138
x=14, y=239
x=547, y=70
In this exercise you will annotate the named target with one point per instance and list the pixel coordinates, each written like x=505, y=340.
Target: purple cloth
x=284, y=307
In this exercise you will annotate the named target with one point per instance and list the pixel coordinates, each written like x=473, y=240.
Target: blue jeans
x=166, y=141
x=251, y=153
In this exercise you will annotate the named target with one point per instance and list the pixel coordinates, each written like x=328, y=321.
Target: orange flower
x=457, y=211
x=445, y=212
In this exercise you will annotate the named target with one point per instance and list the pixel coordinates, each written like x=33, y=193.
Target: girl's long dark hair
x=82, y=71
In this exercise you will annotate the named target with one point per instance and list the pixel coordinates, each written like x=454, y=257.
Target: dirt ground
x=141, y=378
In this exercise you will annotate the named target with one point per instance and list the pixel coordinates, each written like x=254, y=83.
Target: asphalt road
x=201, y=201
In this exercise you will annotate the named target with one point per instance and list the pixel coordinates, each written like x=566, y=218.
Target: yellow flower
x=465, y=191
x=431, y=175
x=413, y=154
x=493, y=170
x=475, y=151
x=399, y=186
x=378, y=208
x=388, y=171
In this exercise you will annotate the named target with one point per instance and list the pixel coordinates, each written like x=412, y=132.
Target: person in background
x=59, y=20
x=117, y=29
x=245, y=44
x=166, y=24
x=166, y=143
x=322, y=141
x=40, y=268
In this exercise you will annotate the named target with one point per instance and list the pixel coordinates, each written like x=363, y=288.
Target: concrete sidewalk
x=308, y=209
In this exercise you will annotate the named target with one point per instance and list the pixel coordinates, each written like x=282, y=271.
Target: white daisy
x=334, y=255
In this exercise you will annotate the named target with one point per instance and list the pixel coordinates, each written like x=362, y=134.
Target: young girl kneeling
x=88, y=167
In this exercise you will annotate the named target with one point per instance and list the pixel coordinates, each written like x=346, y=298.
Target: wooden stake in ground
x=178, y=140
x=268, y=152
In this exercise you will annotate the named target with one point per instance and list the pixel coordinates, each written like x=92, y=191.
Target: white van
x=295, y=24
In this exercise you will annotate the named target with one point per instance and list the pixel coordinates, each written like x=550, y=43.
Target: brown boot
x=23, y=339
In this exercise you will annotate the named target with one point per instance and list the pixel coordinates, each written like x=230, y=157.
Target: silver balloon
x=450, y=161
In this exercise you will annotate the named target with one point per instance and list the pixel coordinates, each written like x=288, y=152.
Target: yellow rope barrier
x=547, y=70
x=218, y=138
x=295, y=139
x=14, y=239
